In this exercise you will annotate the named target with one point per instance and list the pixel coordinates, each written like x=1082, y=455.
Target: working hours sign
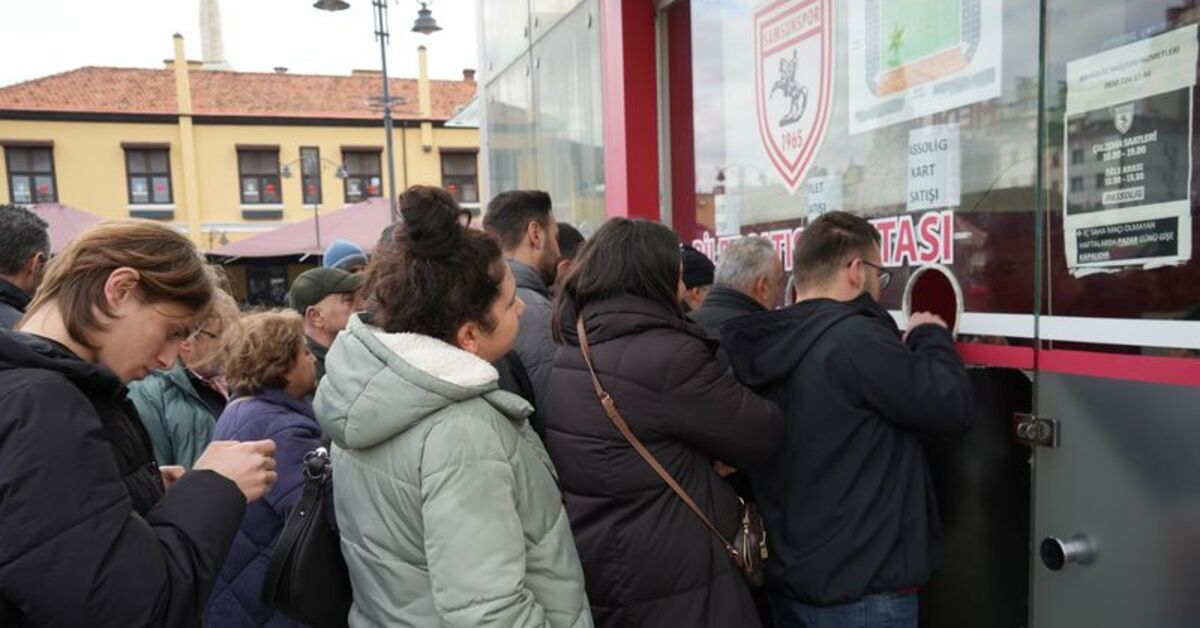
x=1127, y=180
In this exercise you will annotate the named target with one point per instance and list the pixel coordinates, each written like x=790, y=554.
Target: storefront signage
x=911, y=59
x=905, y=240
x=1128, y=148
x=934, y=167
x=793, y=74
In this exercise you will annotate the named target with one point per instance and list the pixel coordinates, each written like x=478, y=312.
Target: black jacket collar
x=10, y=294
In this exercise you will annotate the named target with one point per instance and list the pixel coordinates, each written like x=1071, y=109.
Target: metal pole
x=381, y=33
x=317, y=223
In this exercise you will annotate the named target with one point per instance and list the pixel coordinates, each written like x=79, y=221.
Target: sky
x=42, y=37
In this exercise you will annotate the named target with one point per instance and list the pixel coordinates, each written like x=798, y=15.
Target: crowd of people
x=527, y=427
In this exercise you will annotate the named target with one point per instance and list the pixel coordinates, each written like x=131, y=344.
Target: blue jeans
x=884, y=610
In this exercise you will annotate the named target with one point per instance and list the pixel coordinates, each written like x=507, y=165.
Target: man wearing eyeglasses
x=848, y=499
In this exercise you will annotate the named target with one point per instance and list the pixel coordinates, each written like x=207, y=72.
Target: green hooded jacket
x=448, y=505
x=180, y=423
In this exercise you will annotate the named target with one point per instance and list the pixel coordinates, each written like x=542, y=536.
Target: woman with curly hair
x=446, y=500
x=271, y=372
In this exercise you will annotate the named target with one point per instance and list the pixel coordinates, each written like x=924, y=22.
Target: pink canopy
x=65, y=222
x=360, y=223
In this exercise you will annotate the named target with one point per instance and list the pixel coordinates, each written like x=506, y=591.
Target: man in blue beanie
x=345, y=255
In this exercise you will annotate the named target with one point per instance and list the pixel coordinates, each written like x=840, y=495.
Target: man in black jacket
x=848, y=501
x=748, y=279
x=24, y=251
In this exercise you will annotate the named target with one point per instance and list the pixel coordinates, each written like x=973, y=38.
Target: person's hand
x=251, y=464
x=170, y=474
x=723, y=469
x=916, y=319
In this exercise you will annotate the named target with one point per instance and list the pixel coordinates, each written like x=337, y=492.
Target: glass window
x=259, y=174
x=149, y=176
x=506, y=35
x=1123, y=248
x=362, y=175
x=510, y=125
x=310, y=174
x=569, y=131
x=460, y=176
x=31, y=177
x=920, y=116
x=547, y=13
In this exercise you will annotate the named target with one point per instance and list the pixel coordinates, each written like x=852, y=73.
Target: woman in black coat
x=93, y=532
x=648, y=560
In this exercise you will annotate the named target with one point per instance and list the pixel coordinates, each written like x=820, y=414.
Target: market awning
x=65, y=222
x=360, y=223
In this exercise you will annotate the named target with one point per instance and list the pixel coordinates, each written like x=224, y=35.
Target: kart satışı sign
x=793, y=78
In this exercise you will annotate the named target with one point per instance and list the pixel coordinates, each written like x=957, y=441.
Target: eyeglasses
x=885, y=277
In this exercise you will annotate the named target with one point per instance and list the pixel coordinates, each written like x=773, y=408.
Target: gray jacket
x=534, y=343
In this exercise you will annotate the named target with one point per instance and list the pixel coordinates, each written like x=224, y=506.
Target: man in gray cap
x=325, y=297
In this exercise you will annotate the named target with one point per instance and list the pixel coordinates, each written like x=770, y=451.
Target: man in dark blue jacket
x=854, y=526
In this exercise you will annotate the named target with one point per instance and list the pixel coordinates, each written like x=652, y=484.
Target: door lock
x=1035, y=431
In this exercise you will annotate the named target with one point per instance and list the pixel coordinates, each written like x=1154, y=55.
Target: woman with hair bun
x=448, y=504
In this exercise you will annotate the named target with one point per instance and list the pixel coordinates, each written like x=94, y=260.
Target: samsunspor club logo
x=793, y=75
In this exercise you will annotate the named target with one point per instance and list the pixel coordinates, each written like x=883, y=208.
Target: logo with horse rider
x=793, y=75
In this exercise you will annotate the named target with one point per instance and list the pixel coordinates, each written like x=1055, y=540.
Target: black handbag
x=307, y=579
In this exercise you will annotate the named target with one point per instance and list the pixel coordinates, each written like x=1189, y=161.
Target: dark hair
x=830, y=242
x=438, y=274
x=569, y=240
x=636, y=257
x=22, y=235
x=509, y=214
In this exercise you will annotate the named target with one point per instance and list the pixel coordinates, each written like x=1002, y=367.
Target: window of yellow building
x=31, y=174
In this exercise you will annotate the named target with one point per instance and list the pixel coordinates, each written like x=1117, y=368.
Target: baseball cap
x=314, y=285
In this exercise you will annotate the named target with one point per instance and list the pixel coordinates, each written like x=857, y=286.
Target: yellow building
x=224, y=155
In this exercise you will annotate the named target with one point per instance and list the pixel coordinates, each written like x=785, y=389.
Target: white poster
x=1128, y=155
x=728, y=210
x=910, y=59
x=934, y=167
x=824, y=195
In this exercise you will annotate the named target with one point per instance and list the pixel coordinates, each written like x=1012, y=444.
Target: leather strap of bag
x=610, y=408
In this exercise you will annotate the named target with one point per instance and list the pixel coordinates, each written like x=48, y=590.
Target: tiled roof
x=219, y=93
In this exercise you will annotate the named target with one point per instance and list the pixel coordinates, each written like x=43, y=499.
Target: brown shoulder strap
x=610, y=408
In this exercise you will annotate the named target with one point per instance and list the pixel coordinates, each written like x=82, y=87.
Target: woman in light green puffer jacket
x=448, y=505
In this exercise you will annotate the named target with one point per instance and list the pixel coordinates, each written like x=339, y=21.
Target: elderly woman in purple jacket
x=272, y=374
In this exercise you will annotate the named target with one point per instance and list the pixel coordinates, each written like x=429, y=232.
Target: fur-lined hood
x=378, y=385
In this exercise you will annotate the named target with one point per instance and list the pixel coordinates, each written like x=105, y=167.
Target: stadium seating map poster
x=915, y=58
x=1128, y=148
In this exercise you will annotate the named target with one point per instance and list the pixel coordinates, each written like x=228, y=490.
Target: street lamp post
x=424, y=24
x=319, y=164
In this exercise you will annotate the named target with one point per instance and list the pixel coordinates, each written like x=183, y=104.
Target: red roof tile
x=218, y=93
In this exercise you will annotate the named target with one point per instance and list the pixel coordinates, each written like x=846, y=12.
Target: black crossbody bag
x=307, y=579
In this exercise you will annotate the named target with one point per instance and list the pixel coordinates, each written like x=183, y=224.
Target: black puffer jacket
x=89, y=536
x=13, y=302
x=647, y=559
x=848, y=500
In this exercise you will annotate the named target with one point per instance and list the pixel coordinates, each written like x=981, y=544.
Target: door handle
x=1056, y=553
